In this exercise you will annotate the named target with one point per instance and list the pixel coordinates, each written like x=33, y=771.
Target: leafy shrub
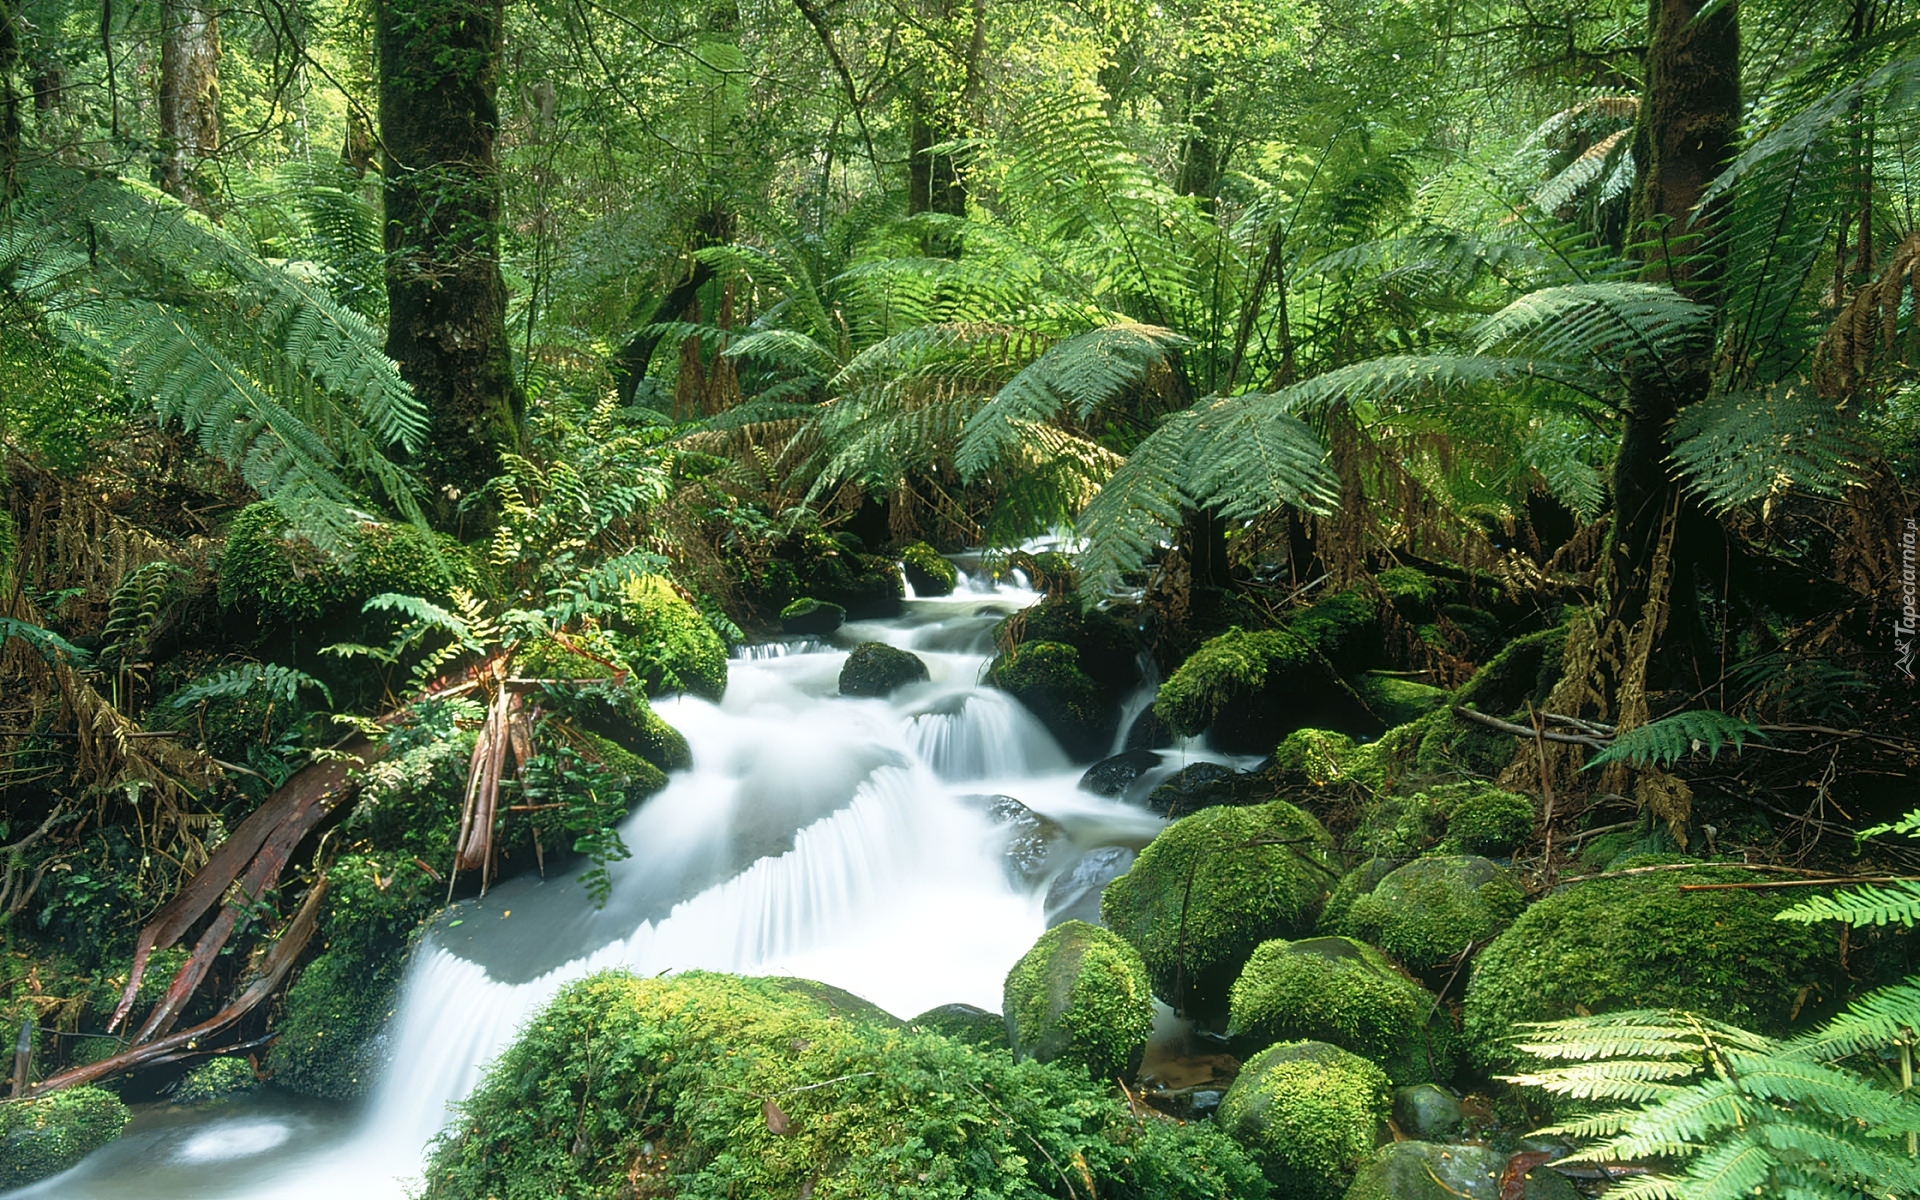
x=1080, y=995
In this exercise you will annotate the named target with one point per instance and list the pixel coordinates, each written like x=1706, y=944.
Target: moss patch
x=1345, y=993
x=1396, y=701
x=877, y=669
x=930, y=574
x=277, y=579
x=1080, y=996
x=1312, y=758
x=1485, y=820
x=666, y=640
x=1109, y=650
x=1427, y=912
x=1252, y=689
x=1046, y=677
x=215, y=1080
x=1309, y=1113
x=44, y=1137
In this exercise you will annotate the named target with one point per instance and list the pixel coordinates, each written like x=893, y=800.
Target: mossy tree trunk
x=439, y=63
x=10, y=122
x=189, y=95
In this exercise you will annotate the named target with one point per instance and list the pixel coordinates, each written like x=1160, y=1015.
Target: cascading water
x=832, y=838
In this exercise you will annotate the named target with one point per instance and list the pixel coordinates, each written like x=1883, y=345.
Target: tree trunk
x=189, y=95
x=446, y=302
x=10, y=124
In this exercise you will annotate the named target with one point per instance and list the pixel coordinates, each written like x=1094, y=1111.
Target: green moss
x=930, y=574
x=1485, y=820
x=44, y=1137
x=277, y=578
x=1464, y=818
x=666, y=640
x=620, y=713
x=809, y=616
x=215, y=1080
x=1213, y=886
x=1353, y=885
x=877, y=669
x=1525, y=669
x=1312, y=758
x=815, y=565
x=642, y=778
x=1640, y=942
x=1343, y=992
x=1309, y=1113
x=1080, y=995
x=1427, y=912
x=330, y=1024
x=1410, y=589
x=711, y=1086
x=1343, y=628
x=1230, y=671
x=1109, y=650
x=1046, y=678
x=9, y=550
x=1396, y=701
x=965, y=1024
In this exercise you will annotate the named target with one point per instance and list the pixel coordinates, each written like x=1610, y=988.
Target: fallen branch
x=1521, y=731
x=1835, y=881
x=1692, y=866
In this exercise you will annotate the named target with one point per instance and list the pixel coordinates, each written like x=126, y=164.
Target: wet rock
x=1047, y=678
x=812, y=617
x=1075, y=894
x=1080, y=996
x=930, y=574
x=1204, y=785
x=1429, y=1171
x=1113, y=776
x=1426, y=1111
x=877, y=669
x=965, y=1023
x=1034, y=842
x=1149, y=731
x=44, y=1137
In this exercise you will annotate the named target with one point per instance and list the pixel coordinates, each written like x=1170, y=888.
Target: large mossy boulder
x=1431, y=910
x=1081, y=996
x=1248, y=690
x=1109, y=649
x=1047, y=679
x=965, y=1023
x=1483, y=819
x=1309, y=1113
x=1394, y=700
x=276, y=579
x=1464, y=818
x=44, y=1137
x=332, y=1019
x=1312, y=758
x=713, y=1085
x=588, y=689
x=217, y=1079
x=667, y=641
x=1346, y=993
x=1432, y=1171
x=1212, y=887
x=930, y=574
x=1638, y=941
x=877, y=669
x=830, y=570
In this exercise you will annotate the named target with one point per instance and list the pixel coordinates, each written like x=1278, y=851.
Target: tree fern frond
x=1667, y=740
x=1745, y=446
x=1868, y=904
x=1139, y=507
x=1613, y=323
x=42, y=641
x=1883, y=1017
x=276, y=682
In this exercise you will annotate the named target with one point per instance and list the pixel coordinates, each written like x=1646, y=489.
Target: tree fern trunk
x=446, y=302
x=189, y=95
x=9, y=99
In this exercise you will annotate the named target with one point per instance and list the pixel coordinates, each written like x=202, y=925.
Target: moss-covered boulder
x=1353, y=885
x=1312, y=758
x=217, y=1079
x=1433, y=1171
x=1212, y=887
x=1080, y=996
x=831, y=570
x=807, y=617
x=1436, y=749
x=44, y=1137
x=329, y=1041
x=1396, y=701
x=1339, y=991
x=1109, y=649
x=1249, y=690
x=877, y=669
x=666, y=640
x=1526, y=668
x=1432, y=909
x=1047, y=679
x=1309, y=1113
x=1482, y=819
x=930, y=574
x=277, y=579
x=966, y=1024
x=1638, y=941
x=1465, y=818
x=712, y=1085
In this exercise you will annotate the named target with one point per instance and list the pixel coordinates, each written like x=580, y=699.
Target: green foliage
x=49, y=645
x=1669, y=739
x=1397, y=701
x=1080, y=996
x=877, y=669
x=133, y=608
x=668, y=642
x=216, y=1079
x=1867, y=904
x=275, y=576
x=44, y=1137
x=1433, y=909
x=1633, y=941
x=270, y=680
x=1740, y=447
x=1345, y=993
x=1308, y=1113
x=329, y=1026
x=1212, y=887
x=715, y=1086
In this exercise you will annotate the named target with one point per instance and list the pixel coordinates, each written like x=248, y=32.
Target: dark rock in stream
x=877, y=669
x=1204, y=785
x=1149, y=731
x=1114, y=776
x=1075, y=894
x=1034, y=842
x=1431, y=1171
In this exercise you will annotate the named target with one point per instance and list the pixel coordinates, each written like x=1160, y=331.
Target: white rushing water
x=814, y=835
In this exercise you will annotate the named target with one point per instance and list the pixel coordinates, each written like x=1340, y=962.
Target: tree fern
x=1669, y=739
x=133, y=608
x=283, y=684
x=1745, y=446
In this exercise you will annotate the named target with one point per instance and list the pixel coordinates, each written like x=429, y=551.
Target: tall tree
x=189, y=95
x=446, y=302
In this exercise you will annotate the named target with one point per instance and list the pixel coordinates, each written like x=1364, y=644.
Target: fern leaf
x=1741, y=447
x=1666, y=741
x=1868, y=904
x=277, y=682
x=49, y=645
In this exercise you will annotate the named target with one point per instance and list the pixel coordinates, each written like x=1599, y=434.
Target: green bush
x=1345, y=993
x=1640, y=942
x=1310, y=1115
x=666, y=640
x=1428, y=911
x=1080, y=995
x=711, y=1086
x=44, y=1137
x=930, y=574
x=877, y=669
x=1213, y=886
x=215, y=1080
x=1047, y=679
x=277, y=578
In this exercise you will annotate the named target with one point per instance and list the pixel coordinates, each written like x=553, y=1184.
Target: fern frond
x=1139, y=507
x=1609, y=323
x=1667, y=740
x=1745, y=446
x=49, y=645
x=1881, y=1018
x=1868, y=904
x=276, y=682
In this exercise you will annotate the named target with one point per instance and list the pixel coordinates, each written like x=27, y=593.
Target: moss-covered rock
x=1250, y=690
x=808, y=617
x=1310, y=1115
x=1109, y=649
x=1353, y=885
x=1437, y=748
x=1396, y=701
x=1430, y=910
x=1047, y=679
x=1080, y=995
x=965, y=1024
x=930, y=574
x=666, y=640
x=1468, y=817
x=612, y=709
x=1640, y=942
x=44, y=1137
x=877, y=669
x=1337, y=990
x=1212, y=887
x=1482, y=819
x=1431, y=1171
x=277, y=579
x=832, y=571
x=331, y=1021
x=711, y=1085
x=1525, y=669
x=1312, y=758
x=215, y=1080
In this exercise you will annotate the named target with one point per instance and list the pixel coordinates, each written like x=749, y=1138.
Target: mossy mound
x=1353, y=885
x=329, y=1042
x=1485, y=820
x=1212, y=887
x=1526, y=668
x=1080, y=996
x=1310, y=1115
x=1640, y=942
x=666, y=640
x=1465, y=818
x=830, y=570
x=277, y=579
x=1438, y=748
x=930, y=574
x=1312, y=758
x=215, y=1080
x=965, y=1024
x=1430, y=910
x=1345, y=993
x=877, y=669
x=1433, y=1171
x=1109, y=649
x=1249, y=690
x=1047, y=679
x=44, y=1137
x=615, y=711
x=712, y=1085
x=809, y=617
x=1395, y=701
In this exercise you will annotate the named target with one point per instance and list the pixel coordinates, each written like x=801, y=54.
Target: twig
x=1835, y=881
x=1546, y=793
x=1690, y=867
x=1571, y=739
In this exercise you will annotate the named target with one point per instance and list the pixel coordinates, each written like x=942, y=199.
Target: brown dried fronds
x=1868, y=328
